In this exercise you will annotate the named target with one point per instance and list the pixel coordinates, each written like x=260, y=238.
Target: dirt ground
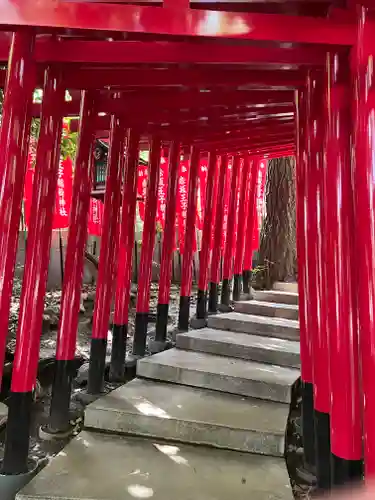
x=45, y=450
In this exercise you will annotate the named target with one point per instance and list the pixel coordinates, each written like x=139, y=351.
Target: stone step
x=257, y=325
x=276, y=296
x=219, y=373
x=280, y=286
x=99, y=466
x=191, y=415
x=272, y=309
x=242, y=345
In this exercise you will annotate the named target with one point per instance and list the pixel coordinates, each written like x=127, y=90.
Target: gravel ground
x=294, y=448
x=45, y=450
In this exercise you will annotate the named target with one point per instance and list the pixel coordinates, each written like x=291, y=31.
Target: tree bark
x=277, y=253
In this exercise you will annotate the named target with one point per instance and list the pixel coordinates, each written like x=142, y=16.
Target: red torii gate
x=258, y=92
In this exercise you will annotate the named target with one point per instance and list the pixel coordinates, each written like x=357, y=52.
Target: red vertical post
x=107, y=257
x=73, y=272
x=204, y=257
x=231, y=233
x=316, y=304
x=148, y=241
x=167, y=250
x=214, y=202
x=35, y=273
x=14, y=141
x=301, y=237
x=251, y=221
x=215, y=277
x=186, y=272
x=241, y=229
x=125, y=252
x=364, y=188
x=346, y=421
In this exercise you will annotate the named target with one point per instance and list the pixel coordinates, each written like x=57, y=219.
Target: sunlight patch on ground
x=147, y=408
x=139, y=491
x=172, y=453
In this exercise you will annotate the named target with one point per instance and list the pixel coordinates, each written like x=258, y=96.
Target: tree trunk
x=277, y=253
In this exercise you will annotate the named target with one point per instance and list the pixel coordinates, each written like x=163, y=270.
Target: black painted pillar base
x=225, y=305
x=98, y=353
x=184, y=314
x=308, y=429
x=225, y=292
x=237, y=285
x=17, y=433
x=213, y=298
x=59, y=418
x=118, y=353
x=160, y=343
x=346, y=471
x=140, y=334
x=161, y=322
x=322, y=450
x=200, y=320
x=201, y=304
x=246, y=279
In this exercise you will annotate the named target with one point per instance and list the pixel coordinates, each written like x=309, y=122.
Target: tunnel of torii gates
x=220, y=80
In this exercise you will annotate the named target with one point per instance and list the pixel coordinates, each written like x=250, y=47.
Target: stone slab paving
x=225, y=386
x=286, y=287
x=276, y=296
x=258, y=325
x=191, y=415
x=272, y=309
x=234, y=376
x=97, y=466
x=242, y=345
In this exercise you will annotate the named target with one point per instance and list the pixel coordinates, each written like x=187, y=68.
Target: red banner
x=238, y=194
x=28, y=190
x=181, y=196
x=162, y=191
x=96, y=217
x=201, y=201
x=63, y=194
x=63, y=191
x=142, y=189
x=182, y=202
x=259, y=203
x=182, y=205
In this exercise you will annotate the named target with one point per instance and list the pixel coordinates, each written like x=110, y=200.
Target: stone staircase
x=205, y=420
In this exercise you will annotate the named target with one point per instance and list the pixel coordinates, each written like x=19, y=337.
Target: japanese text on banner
x=162, y=191
x=142, y=189
x=182, y=205
x=63, y=192
x=96, y=217
x=201, y=201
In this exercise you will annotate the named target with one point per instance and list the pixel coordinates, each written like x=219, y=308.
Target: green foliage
x=38, y=95
x=68, y=139
x=35, y=128
x=259, y=269
x=259, y=274
x=69, y=145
